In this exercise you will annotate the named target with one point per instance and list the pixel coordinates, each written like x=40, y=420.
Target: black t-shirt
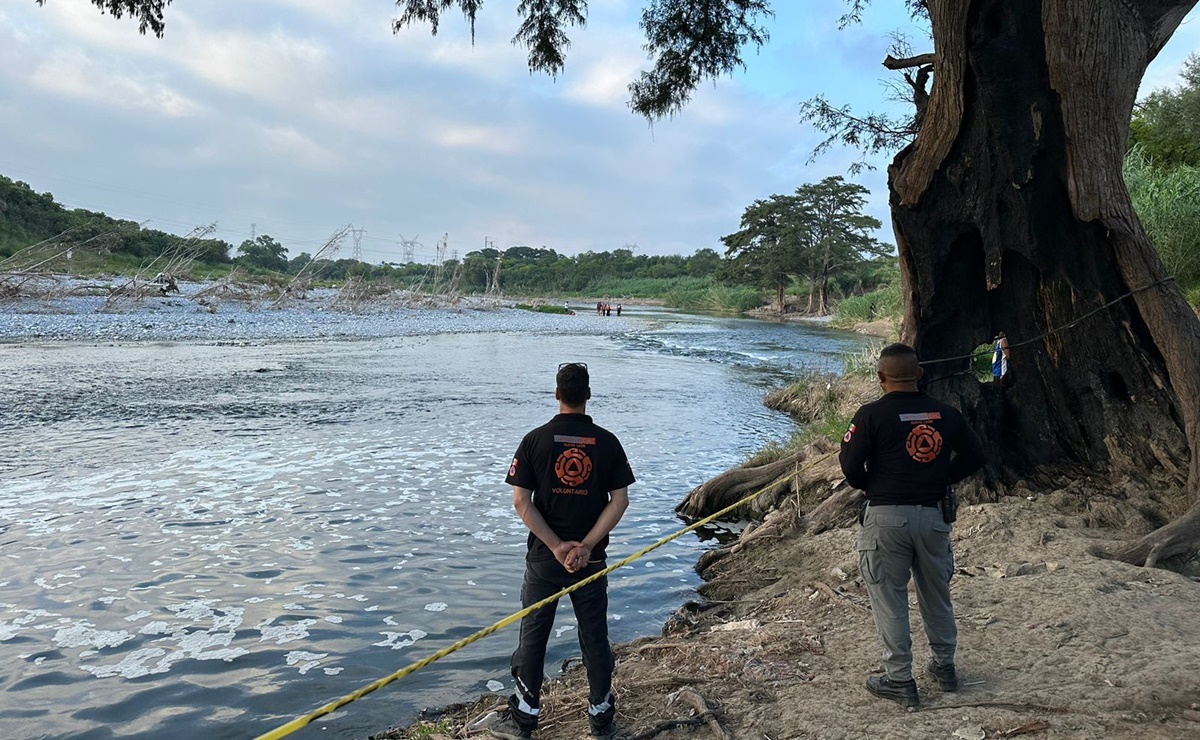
x=898, y=449
x=570, y=464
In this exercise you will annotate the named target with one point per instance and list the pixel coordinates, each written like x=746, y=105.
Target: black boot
x=902, y=692
x=946, y=677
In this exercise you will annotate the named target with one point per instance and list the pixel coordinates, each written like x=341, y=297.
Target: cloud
x=289, y=143
x=74, y=74
x=276, y=67
x=495, y=139
x=605, y=82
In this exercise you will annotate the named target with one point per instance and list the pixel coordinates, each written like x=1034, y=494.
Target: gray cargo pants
x=897, y=541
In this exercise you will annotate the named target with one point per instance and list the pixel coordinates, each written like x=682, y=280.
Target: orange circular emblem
x=924, y=443
x=573, y=467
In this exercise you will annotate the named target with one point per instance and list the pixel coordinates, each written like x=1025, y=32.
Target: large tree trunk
x=1011, y=214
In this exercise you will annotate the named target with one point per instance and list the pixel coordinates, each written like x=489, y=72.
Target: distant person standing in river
x=570, y=481
x=905, y=450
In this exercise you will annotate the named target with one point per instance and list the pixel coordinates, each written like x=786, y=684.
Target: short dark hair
x=573, y=383
x=897, y=350
x=898, y=362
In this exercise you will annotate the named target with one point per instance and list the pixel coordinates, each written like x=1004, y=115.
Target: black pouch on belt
x=949, y=506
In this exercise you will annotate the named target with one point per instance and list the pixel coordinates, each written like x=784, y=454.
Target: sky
x=295, y=118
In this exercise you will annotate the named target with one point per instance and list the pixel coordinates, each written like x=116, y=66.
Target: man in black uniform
x=899, y=450
x=570, y=482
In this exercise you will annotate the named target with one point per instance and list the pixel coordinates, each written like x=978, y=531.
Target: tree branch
x=1162, y=18
x=920, y=60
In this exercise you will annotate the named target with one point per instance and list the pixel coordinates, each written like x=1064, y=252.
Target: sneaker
x=502, y=725
x=902, y=692
x=946, y=677
x=608, y=732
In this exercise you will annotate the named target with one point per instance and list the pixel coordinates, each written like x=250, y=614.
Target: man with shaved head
x=905, y=451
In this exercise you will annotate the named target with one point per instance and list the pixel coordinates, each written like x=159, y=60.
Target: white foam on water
x=333, y=671
x=139, y=615
x=196, y=610
x=436, y=606
x=333, y=619
x=305, y=660
x=558, y=632
x=283, y=634
x=397, y=640
x=494, y=686
x=132, y=665
x=46, y=584
x=85, y=633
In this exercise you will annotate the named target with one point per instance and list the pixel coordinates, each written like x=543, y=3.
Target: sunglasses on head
x=573, y=364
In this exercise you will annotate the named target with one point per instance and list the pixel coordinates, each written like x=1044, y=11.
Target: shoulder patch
x=849, y=433
x=512, y=469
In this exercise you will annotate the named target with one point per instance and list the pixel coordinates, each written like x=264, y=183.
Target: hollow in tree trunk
x=1011, y=214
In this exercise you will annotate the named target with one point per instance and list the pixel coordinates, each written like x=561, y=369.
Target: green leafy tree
x=1166, y=126
x=772, y=245
x=703, y=263
x=840, y=234
x=297, y=263
x=818, y=232
x=263, y=252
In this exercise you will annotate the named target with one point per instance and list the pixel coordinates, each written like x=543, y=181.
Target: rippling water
x=204, y=541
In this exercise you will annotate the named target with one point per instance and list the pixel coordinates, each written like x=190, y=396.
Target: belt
x=933, y=505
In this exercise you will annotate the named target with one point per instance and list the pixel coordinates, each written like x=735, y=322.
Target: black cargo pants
x=544, y=578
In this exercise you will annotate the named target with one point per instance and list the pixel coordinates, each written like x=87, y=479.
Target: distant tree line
x=815, y=240
x=28, y=217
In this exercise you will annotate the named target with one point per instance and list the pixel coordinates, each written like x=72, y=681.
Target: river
x=207, y=539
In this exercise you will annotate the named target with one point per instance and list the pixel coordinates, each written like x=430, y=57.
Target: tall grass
x=643, y=287
x=887, y=300
x=715, y=298
x=1168, y=204
x=696, y=293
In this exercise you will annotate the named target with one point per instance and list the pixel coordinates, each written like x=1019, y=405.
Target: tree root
x=773, y=481
x=836, y=597
x=1014, y=706
x=1179, y=539
x=702, y=710
x=670, y=724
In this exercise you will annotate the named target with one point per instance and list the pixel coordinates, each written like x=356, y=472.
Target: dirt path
x=1053, y=643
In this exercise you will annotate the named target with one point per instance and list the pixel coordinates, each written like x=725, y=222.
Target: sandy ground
x=1054, y=642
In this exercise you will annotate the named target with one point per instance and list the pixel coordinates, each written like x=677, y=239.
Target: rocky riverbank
x=83, y=310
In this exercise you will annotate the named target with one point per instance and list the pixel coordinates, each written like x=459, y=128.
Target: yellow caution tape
x=333, y=706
